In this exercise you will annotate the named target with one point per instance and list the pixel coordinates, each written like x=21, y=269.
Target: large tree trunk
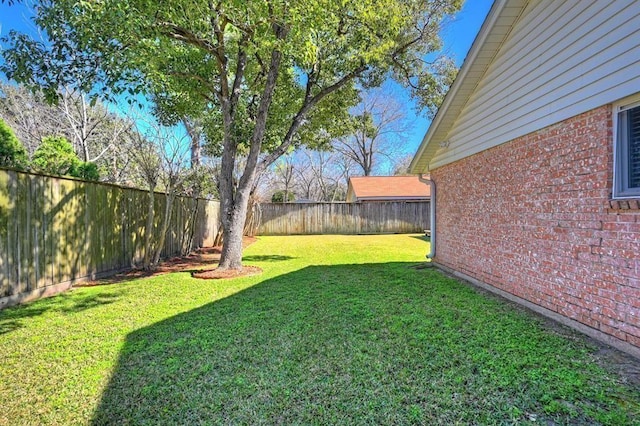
x=195, y=153
x=233, y=224
x=195, y=133
x=234, y=203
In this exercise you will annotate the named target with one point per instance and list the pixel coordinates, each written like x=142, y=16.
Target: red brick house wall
x=533, y=217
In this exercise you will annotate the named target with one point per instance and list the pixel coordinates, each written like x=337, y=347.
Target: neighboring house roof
x=533, y=64
x=386, y=188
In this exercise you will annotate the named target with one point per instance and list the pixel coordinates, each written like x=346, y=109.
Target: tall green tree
x=55, y=155
x=262, y=75
x=12, y=153
x=282, y=196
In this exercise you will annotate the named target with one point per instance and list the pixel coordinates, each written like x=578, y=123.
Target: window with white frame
x=627, y=164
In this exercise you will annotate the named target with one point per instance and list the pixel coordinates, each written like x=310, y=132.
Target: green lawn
x=337, y=330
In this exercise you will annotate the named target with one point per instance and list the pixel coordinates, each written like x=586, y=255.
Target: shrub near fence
x=344, y=218
x=55, y=231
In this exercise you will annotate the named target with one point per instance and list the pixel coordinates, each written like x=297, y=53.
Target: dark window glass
x=633, y=146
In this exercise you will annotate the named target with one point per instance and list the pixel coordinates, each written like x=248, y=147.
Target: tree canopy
x=12, y=153
x=262, y=76
x=55, y=155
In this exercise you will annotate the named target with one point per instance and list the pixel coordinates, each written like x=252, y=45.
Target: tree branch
x=309, y=103
x=197, y=78
x=240, y=68
x=263, y=109
x=179, y=33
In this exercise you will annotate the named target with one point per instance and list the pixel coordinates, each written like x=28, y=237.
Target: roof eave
x=428, y=147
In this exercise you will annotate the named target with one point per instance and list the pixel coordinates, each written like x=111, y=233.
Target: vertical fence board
x=38, y=196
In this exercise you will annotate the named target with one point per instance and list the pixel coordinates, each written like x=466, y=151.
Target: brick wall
x=533, y=217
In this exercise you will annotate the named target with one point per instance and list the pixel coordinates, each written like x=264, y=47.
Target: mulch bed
x=216, y=274
x=194, y=263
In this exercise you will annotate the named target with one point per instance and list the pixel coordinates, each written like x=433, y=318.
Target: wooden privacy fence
x=54, y=231
x=343, y=218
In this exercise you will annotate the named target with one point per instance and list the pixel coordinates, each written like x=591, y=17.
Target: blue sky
x=458, y=35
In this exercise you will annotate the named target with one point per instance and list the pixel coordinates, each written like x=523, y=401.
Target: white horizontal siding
x=561, y=59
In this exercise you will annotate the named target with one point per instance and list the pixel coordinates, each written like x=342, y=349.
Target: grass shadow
x=355, y=344
x=12, y=318
x=267, y=258
x=421, y=238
